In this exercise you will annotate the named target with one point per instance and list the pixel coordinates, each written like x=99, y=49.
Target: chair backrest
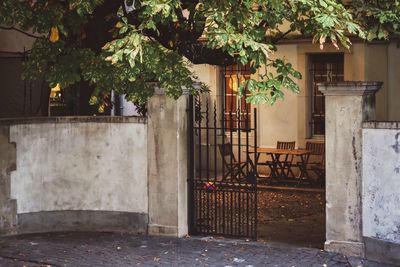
x=226, y=152
x=316, y=148
x=286, y=145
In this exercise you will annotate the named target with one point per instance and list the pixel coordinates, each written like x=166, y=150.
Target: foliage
x=125, y=45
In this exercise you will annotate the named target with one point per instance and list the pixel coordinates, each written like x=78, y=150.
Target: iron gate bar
x=207, y=163
x=254, y=175
x=199, y=147
x=215, y=161
x=227, y=206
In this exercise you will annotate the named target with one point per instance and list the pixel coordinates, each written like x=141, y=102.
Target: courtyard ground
x=107, y=249
x=292, y=216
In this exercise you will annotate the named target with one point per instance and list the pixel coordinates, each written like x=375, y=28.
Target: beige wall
x=288, y=120
x=280, y=121
x=376, y=69
x=393, y=82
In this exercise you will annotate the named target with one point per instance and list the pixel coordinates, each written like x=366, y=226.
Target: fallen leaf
x=238, y=260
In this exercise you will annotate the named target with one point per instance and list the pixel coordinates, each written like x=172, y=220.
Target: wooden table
x=281, y=168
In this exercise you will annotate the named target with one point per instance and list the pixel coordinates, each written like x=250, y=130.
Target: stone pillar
x=347, y=105
x=167, y=165
x=8, y=206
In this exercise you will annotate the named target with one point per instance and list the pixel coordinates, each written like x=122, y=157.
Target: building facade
x=301, y=116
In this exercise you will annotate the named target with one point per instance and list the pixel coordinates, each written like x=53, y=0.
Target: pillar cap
x=349, y=88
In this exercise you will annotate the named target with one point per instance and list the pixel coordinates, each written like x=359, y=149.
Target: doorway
x=227, y=194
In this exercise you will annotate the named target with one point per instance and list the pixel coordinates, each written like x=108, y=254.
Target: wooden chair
x=233, y=169
x=316, y=164
x=286, y=163
x=316, y=148
x=319, y=170
x=286, y=145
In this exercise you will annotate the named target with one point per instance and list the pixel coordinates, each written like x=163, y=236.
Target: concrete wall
x=126, y=174
x=167, y=165
x=8, y=207
x=381, y=183
x=77, y=165
x=348, y=104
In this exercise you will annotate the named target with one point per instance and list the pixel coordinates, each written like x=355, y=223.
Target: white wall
x=80, y=166
x=381, y=182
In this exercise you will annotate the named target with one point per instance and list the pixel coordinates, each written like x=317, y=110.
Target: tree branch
x=184, y=39
x=277, y=39
x=12, y=28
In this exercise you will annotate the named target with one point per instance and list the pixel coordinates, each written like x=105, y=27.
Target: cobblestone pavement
x=107, y=249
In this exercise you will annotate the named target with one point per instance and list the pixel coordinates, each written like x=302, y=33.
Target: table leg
x=303, y=168
x=253, y=165
x=277, y=169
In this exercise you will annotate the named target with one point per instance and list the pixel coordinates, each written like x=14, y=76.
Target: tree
x=124, y=45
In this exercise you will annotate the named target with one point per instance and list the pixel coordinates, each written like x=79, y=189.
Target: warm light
x=233, y=83
x=54, y=35
x=54, y=92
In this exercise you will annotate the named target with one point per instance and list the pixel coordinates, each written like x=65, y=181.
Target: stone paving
x=108, y=249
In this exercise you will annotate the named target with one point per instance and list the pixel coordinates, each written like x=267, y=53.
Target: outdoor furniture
x=319, y=170
x=316, y=163
x=278, y=164
x=286, y=145
x=232, y=168
x=283, y=165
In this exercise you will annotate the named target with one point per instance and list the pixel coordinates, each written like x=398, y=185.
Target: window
x=323, y=68
x=236, y=109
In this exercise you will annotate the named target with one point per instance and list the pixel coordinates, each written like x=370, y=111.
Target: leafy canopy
x=124, y=45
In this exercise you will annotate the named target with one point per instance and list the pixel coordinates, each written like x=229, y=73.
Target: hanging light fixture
x=129, y=8
x=235, y=85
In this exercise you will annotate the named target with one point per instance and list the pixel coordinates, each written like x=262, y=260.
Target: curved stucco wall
x=380, y=195
x=381, y=181
x=80, y=166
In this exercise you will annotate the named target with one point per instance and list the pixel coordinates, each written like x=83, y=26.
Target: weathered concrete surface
x=73, y=173
x=8, y=208
x=382, y=251
x=347, y=105
x=167, y=165
x=80, y=166
x=381, y=183
x=82, y=220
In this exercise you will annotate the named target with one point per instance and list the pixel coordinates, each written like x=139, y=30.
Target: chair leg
x=226, y=174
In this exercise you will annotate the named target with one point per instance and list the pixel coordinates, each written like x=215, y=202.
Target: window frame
x=332, y=71
x=235, y=71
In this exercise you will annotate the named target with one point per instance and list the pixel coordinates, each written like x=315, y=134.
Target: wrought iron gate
x=222, y=183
